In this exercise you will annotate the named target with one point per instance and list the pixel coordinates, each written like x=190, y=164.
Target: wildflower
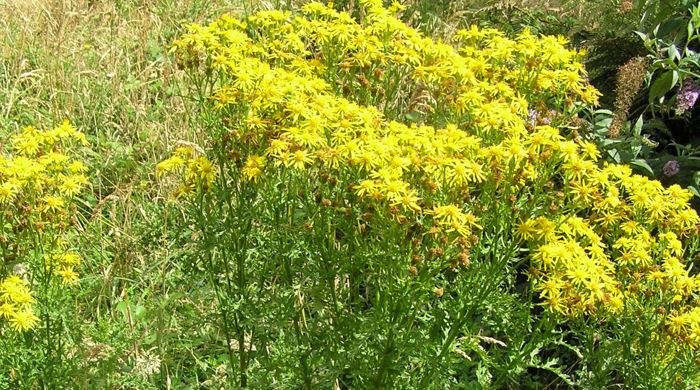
x=408, y=200
x=169, y=165
x=555, y=304
x=366, y=187
x=15, y=289
x=300, y=159
x=671, y=168
x=590, y=150
x=505, y=97
x=202, y=170
x=527, y=229
x=68, y=275
x=252, y=169
x=53, y=203
x=687, y=96
x=7, y=310
x=452, y=217
x=677, y=324
x=72, y=185
x=23, y=320
x=447, y=214
x=551, y=288
x=8, y=190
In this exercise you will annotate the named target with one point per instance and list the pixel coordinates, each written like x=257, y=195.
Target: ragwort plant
x=41, y=173
x=369, y=197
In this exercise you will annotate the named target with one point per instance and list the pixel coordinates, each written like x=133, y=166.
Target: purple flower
x=532, y=117
x=671, y=168
x=535, y=117
x=687, y=96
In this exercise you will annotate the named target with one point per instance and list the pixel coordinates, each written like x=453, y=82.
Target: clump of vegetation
x=357, y=195
x=39, y=181
x=359, y=172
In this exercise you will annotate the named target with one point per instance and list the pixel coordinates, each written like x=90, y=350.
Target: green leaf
x=615, y=155
x=663, y=84
x=551, y=366
x=673, y=53
x=637, y=128
x=694, y=191
x=483, y=375
x=643, y=166
x=691, y=30
x=669, y=27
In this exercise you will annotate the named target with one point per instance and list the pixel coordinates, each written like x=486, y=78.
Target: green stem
x=211, y=274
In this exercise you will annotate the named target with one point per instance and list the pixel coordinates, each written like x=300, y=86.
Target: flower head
x=687, y=96
x=671, y=168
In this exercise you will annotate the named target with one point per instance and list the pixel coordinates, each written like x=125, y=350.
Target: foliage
x=105, y=66
x=661, y=114
x=38, y=183
x=392, y=250
x=674, y=67
x=369, y=197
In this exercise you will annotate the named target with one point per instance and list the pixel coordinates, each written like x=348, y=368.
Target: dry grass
x=105, y=66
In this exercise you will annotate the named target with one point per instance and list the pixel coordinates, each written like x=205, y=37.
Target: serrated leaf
x=483, y=375
x=550, y=366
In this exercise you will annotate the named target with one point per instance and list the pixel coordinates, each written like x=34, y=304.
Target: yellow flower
x=407, y=200
x=527, y=229
x=555, y=304
x=8, y=190
x=53, y=203
x=169, y=164
x=550, y=288
x=297, y=160
x=7, y=310
x=253, y=167
x=23, y=320
x=68, y=275
x=447, y=214
x=396, y=6
x=15, y=290
x=71, y=185
x=202, y=170
x=677, y=324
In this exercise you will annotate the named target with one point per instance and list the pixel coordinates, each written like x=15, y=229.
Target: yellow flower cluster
x=38, y=180
x=294, y=90
x=490, y=80
x=16, y=303
x=293, y=118
x=38, y=167
x=197, y=171
x=64, y=264
x=627, y=253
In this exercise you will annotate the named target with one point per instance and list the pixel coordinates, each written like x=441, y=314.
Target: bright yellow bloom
x=23, y=320
x=53, y=203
